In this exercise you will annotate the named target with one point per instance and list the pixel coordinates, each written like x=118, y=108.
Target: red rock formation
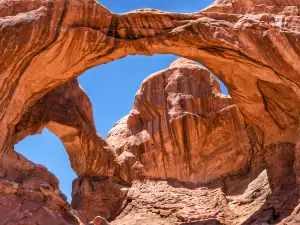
x=247, y=43
x=252, y=46
x=99, y=196
x=183, y=105
x=67, y=112
x=29, y=194
x=99, y=221
x=263, y=196
x=181, y=127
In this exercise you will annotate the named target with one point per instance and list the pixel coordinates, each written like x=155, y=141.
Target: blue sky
x=111, y=88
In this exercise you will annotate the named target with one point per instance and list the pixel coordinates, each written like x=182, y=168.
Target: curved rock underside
x=185, y=152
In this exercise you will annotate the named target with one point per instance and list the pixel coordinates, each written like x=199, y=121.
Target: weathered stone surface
x=162, y=202
x=67, y=112
x=181, y=127
x=29, y=194
x=252, y=46
x=99, y=196
x=99, y=221
x=262, y=196
x=240, y=42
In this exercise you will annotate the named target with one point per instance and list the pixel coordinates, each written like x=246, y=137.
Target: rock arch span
x=253, y=47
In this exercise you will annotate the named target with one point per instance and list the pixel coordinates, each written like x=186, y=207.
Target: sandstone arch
x=252, y=46
x=67, y=112
x=76, y=42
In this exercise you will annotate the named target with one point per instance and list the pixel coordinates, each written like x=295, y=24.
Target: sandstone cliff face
x=184, y=131
x=252, y=46
x=67, y=112
x=268, y=195
x=181, y=127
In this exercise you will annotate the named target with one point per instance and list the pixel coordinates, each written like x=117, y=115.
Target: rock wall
x=182, y=127
x=252, y=46
x=29, y=194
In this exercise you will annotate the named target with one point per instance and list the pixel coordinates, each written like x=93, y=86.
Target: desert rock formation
x=252, y=46
x=198, y=161
x=67, y=112
x=183, y=128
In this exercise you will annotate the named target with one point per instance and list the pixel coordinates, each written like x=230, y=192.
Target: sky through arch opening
x=111, y=88
x=48, y=150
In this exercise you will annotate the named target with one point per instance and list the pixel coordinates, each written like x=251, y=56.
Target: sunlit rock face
x=182, y=127
x=67, y=112
x=252, y=46
x=249, y=45
x=29, y=194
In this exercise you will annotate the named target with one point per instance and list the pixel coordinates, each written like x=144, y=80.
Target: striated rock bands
x=181, y=127
x=67, y=112
x=182, y=132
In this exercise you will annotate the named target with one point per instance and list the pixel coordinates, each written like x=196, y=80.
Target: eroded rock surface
x=67, y=112
x=180, y=111
x=101, y=196
x=183, y=128
x=247, y=44
x=29, y=194
x=267, y=195
x=252, y=46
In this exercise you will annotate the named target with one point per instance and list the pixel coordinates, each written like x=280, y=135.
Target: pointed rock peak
x=181, y=61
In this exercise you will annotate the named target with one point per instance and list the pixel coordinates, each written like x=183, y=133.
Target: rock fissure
x=266, y=108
